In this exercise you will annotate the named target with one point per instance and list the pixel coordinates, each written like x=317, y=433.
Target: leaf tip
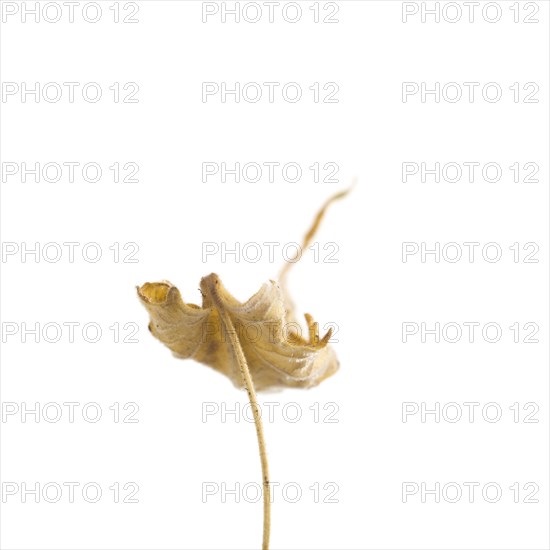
x=155, y=293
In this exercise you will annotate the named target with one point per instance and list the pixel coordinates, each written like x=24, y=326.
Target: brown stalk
x=210, y=284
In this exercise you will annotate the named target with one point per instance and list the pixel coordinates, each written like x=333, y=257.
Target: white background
x=170, y=212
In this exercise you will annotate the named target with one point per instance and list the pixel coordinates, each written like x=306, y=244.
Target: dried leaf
x=276, y=353
x=257, y=345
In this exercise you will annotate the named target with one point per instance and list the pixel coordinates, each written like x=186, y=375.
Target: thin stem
x=249, y=386
x=307, y=239
x=313, y=229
